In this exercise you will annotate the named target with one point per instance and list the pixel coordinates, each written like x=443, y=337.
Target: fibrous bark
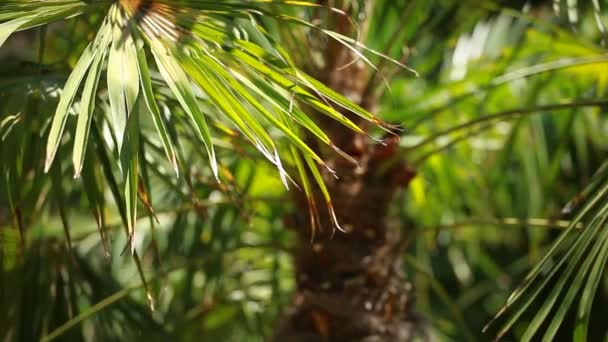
x=351, y=286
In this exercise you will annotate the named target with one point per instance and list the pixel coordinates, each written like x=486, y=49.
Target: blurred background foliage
x=505, y=127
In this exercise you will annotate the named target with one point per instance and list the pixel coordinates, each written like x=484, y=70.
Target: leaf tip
x=151, y=301
x=77, y=171
x=47, y=165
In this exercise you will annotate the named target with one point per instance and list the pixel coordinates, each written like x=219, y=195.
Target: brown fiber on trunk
x=350, y=286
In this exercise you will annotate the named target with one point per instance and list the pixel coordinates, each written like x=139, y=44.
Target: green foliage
x=505, y=136
x=505, y=126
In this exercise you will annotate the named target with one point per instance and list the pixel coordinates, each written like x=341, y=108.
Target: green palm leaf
x=198, y=47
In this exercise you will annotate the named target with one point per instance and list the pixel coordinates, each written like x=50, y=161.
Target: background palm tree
x=503, y=129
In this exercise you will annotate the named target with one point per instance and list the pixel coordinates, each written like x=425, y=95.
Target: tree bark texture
x=351, y=286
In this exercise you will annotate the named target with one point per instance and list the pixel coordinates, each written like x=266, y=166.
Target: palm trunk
x=350, y=286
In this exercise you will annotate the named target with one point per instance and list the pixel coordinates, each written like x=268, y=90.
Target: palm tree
x=153, y=99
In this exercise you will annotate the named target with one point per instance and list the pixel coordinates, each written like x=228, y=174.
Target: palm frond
x=204, y=52
x=577, y=258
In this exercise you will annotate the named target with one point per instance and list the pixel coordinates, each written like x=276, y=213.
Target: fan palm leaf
x=217, y=53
